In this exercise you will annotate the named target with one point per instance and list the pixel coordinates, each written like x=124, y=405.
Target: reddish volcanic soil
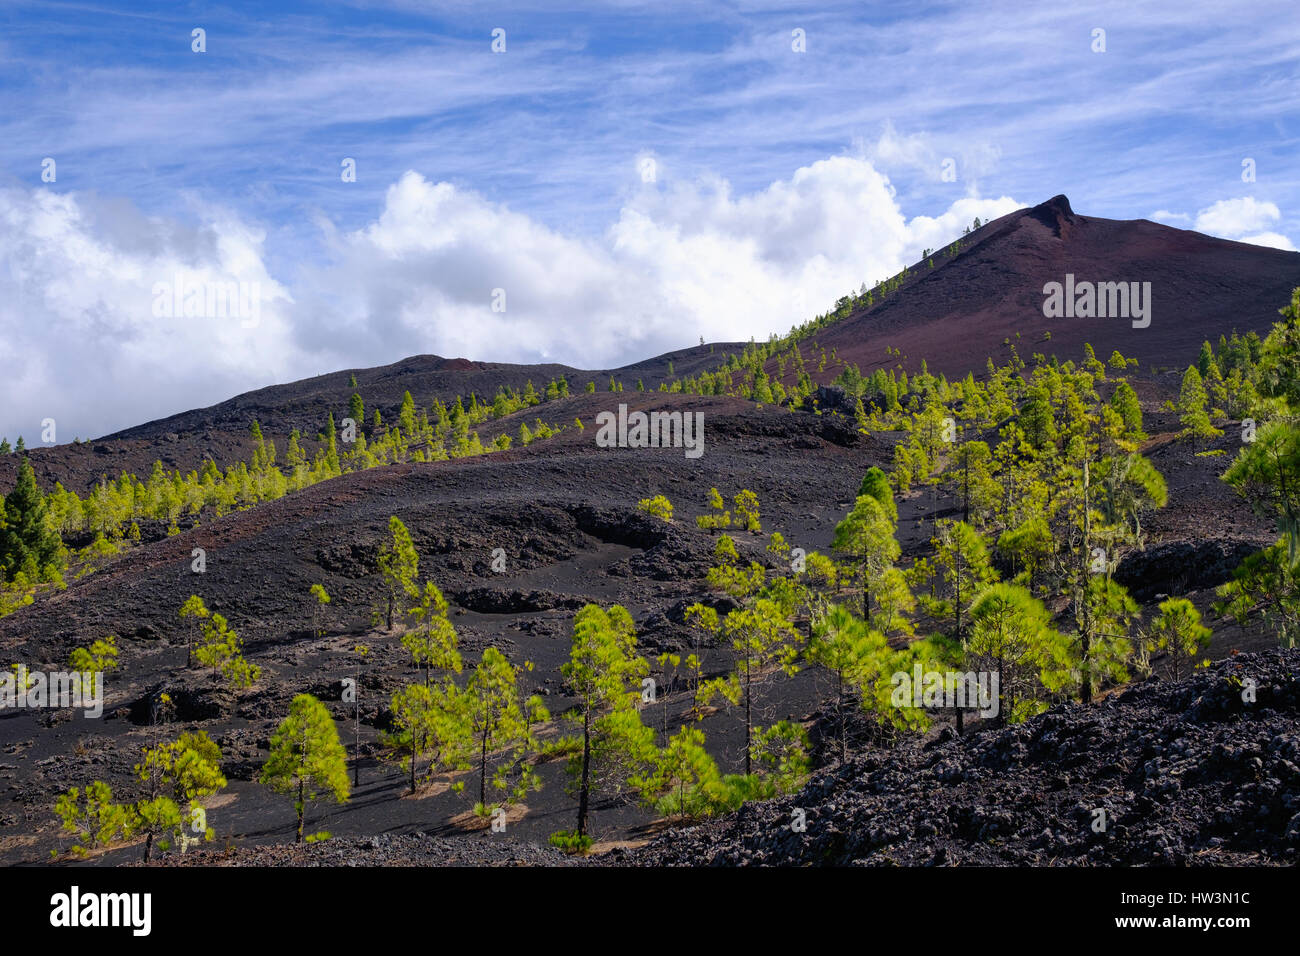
x=959, y=313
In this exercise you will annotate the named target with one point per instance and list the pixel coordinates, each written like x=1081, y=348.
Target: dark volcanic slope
x=220, y=432
x=302, y=404
x=954, y=316
x=958, y=313
x=562, y=511
x=1187, y=772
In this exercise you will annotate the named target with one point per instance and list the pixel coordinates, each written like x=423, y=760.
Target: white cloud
x=682, y=260
x=1245, y=219
x=1274, y=240
x=78, y=329
x=964, y=158
x=1231, y=218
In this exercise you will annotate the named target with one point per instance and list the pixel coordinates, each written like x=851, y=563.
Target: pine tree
x=876, y=484
x=400, y=566
x=94, y=817
x=1278, y=373
x=763, y=640
x=974, y=475
x=498, y=722
x=1178, y=631
x=603, y=675
x=195, y=610
x=101, y=656
x=1036, y=421
x=1267, y=581
x=719, y=517
x=432, y=642
x=307, y=758
x=1191, y=408
x=331, y=448
x=866, y=536
x=1125, y=488
x=686, y=783
x=406, y=417
x=177, y=776
x=963, y=563
x=845, y=646
x=1103, y=615
x=415, y=721
x=322, y=598
x=1012, y=634
x=27, y=544
x=1205, y=360
x=1267, y=473
x=1125, y=403
x=223, y=651
x=746, y=504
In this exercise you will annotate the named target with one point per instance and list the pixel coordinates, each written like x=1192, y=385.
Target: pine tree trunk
x=1085, y=685
x=302, y=808
x=586, y=773
x=1003, y=692
x=866, y=594
x=965, y=503
x=839, y=704
x=482, y=771
x=748, y=721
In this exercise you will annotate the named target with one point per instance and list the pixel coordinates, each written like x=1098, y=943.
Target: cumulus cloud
x=1274, y=240
x=1245, y=219
x=683, y=259
x=85, y=340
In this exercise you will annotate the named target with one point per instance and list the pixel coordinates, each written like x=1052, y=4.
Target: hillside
x=989, y=296
x=1188, y=773
x=562, y=514
x=221, y=432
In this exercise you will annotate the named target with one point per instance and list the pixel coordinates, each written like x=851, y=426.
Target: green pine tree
x=307, y=759
x=1178, y=631
x=604, y=674
x=400, y=566
x=866, y=537
x=500, y=727
x=27, y=544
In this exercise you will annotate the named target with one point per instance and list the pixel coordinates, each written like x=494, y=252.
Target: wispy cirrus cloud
x=774, y=168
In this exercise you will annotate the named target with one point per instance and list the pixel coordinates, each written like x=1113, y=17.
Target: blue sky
x=778, y=176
